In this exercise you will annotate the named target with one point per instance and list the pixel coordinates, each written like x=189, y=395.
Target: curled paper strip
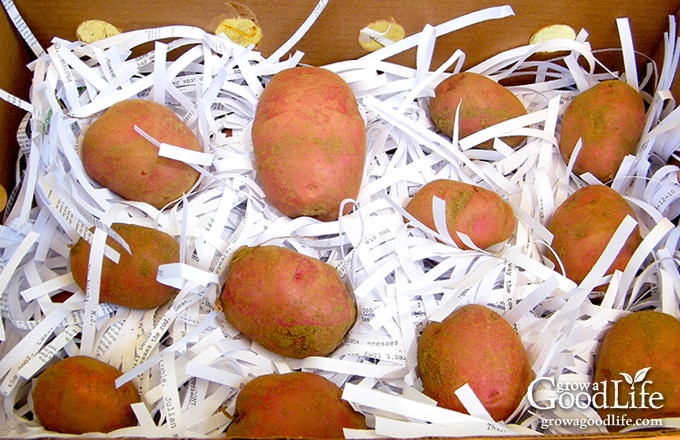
x=189, y=363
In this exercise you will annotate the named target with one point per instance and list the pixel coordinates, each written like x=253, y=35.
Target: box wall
x=334, y=36
x=15, y=79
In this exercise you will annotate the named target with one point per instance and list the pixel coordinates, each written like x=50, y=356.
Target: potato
x=475, y=211
x=483, y=103
x=78, y=395
x=131, y=282
x=474, y=345
x=292, y=405
x=609, y=118
x=639, y=340
x=309, y=141
x=584, y=224
x=289, y=303
x=117, y=157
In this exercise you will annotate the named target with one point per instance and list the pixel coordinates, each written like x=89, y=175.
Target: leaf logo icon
x=629, y=379
x=639, y=377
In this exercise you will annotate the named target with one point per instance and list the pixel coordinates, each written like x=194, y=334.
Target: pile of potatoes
x=301, y=308
x=309, y=148
x=606, y=122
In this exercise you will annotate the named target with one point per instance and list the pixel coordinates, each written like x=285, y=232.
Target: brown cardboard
x=15, y=79
x=333, y=38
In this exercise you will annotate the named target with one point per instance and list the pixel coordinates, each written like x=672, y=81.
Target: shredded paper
x=188, y=363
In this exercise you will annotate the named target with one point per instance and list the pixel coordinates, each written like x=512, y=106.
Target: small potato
x=131, y=282
x=584, y=224
x=474, y=345
x=292, y=304
x=477, y=212
x=609, y=119
x=483, y=103
x=118, y=157
x=309, y=141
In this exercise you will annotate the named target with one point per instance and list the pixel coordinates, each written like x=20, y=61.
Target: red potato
x=477, y=212
x=289, y=303
x=292, y=405
x=584, y=224
x=78, y=395
x=132, y=281
x=609, y=118
x=474, y=345
x=309, y=141
x=642, y=341
x=483, y=103
x=119, y=158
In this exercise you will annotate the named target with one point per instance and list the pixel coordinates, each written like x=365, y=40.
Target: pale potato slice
x=3, y=198
x=239, y=24
x=380, y=33
x=553, y=32
x=243, y=31
x=90, y=31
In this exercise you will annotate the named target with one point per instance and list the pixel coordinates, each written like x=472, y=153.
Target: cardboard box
x=333, y=38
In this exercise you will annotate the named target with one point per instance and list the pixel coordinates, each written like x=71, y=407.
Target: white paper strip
x=302, y=30
x=22, y=27
x=16, y=101
x=413, y=409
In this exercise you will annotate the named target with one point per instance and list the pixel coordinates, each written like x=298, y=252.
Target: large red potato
x=309, y=141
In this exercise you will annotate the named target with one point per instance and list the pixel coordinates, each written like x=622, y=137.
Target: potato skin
x=309, y=141
x=640, y=340
x=78, y=395
x=119, y=158
x=132, y=282
x=483, y=103
x=477, y=346
x=290, y=303
x=609, y=118
x=292, y=405
x=584, y=224
x=481, y=214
